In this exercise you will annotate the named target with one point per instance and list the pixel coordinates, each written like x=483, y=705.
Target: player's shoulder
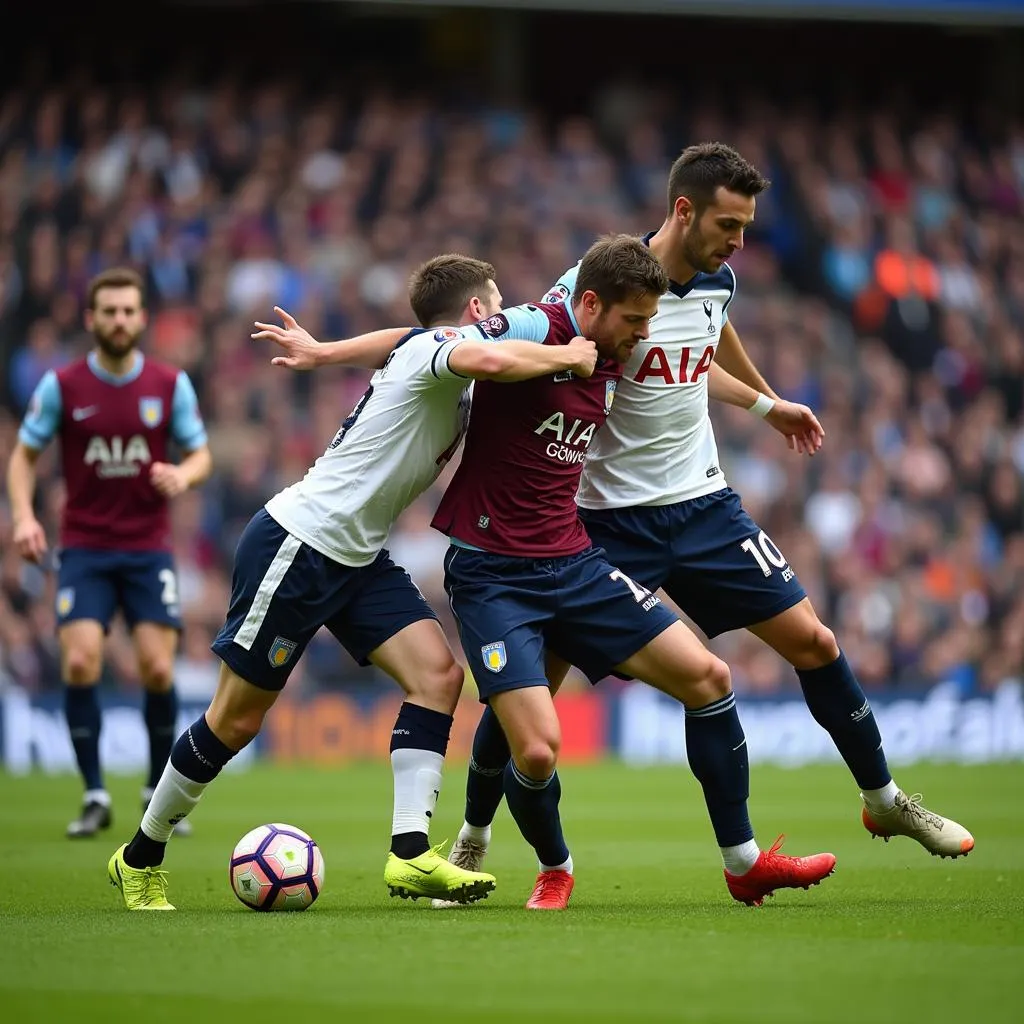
x=71, y=370
x=157, y=369
x=563, y=288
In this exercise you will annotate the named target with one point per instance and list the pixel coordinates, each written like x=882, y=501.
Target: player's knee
x=439, y=686
x=236, y=727
x=157, y=673
x=82, y=666
x=537, y=758
x=817, y=647
x=715, y=683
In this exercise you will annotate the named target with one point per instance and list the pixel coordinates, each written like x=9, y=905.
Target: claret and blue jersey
x=115, y=532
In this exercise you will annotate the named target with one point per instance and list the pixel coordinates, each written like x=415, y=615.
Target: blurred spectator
x=882, y=283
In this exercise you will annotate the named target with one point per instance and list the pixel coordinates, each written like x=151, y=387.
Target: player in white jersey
x=654, y=496
x=314, y=556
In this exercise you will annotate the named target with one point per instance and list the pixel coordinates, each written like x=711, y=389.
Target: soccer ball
x=277, y=867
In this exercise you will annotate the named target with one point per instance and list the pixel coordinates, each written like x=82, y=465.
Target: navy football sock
x=160, y=712
x=717, y=751
x=485, y=781
x=534, y=805
x=82, y=709
x=419, y=741
x=837, y=702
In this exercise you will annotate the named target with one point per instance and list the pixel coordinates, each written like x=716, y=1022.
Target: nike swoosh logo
x=83, y=414
x=416, y=867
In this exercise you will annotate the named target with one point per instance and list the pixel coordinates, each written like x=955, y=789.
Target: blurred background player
x=117, y=415
x=654, y=496
x=523, y=576
x=314, y=556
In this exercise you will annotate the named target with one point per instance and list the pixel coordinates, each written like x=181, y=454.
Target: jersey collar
x=110, y=378
x=567, y=302
x=682, y=290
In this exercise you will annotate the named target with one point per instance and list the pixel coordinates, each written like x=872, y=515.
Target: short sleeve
x=187, y=427
x=42, y=418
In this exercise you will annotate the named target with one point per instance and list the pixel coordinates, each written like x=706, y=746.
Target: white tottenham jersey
x=402, y=432
x=657, y=446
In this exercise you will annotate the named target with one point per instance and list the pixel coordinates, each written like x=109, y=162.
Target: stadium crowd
x=882, y=283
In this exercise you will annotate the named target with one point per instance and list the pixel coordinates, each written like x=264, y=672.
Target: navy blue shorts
x=710, y=557
x=510, y=610
x=283, y=591
x=93, y=584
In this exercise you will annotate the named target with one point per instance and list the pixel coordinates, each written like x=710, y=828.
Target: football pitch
x=651, y=934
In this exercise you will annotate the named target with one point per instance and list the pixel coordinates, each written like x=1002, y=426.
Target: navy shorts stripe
x=708, y=554
x=283, y=591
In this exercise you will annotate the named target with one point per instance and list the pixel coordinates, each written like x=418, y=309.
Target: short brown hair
x=115, y=277
x=441, y=287
x=618, y=267
x=701, y=169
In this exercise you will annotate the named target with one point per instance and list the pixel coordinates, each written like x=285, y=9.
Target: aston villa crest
x=151, y=411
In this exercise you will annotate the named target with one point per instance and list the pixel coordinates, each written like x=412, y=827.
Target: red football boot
x=775, y=870
x=552, y=891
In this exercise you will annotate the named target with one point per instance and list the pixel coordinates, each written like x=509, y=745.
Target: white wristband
x=763, y=405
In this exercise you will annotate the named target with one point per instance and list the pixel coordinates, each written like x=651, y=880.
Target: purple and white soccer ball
x=277, y=867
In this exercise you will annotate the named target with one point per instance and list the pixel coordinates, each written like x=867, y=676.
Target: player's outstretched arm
x=304, y=352
x=514, y=360
x=797, y=423
x=29, y=537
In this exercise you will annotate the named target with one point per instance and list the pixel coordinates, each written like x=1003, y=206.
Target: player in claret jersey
x=117, y=415
x=523, y=576
x=653, y=495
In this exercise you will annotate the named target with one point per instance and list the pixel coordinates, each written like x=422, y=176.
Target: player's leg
x=485, y=777
x=86, y=601
x=729, y=574
x=678, y=664
x=528, y=719
x=148, y=592
x=279, y=590
x=613, y=622
x=232, y=721
x=837, y=702
x=390, y=625
x=502, y=606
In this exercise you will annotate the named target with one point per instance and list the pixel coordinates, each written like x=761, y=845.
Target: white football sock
x=173, y=799
x=566, y=865
x=96, y=796
x=738, y=860
x=881, y=800
x=417, y=776
x=479, y=834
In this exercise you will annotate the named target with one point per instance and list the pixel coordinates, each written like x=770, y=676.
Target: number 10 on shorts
x=764, y=551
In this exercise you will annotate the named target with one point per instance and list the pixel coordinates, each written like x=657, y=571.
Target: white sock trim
x=881, y=800
x=738, y=860
x=479, y=834
x=173, y=799
x=566, y=866
x=417, y=778
x=96, y=796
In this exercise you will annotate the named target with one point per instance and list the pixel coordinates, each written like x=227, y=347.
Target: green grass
x=652, y=934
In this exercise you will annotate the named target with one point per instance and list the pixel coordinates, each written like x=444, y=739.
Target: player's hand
x=168, y=479
x=799, y=426
x=297, y=342
x=584, y=355
x=29, y=538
